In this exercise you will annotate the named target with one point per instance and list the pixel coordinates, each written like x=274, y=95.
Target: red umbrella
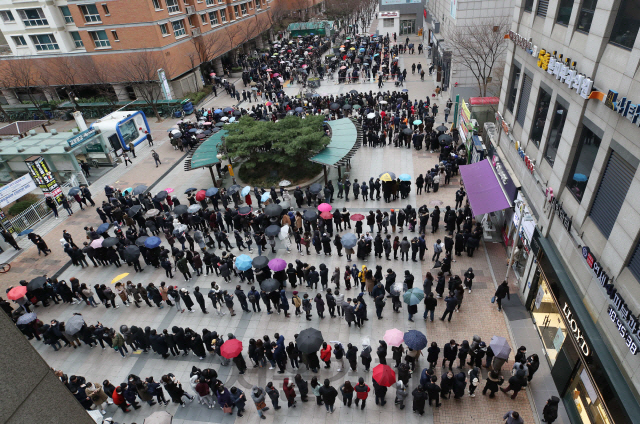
x=17, y=292
x=357, y=217
x=326, y=215
x=384, y=375
x=231, y=348
x=201, y=195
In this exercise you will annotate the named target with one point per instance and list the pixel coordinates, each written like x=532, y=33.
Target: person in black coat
x=159, y=345
x=550, y=411
x=433, y=390
x=382, y=352
x=328, y=394
x=446, y=384
x=181, y=340
x=419, y=399
x=188, y=302
x=433, y=352
x=450, y=353
x=459, y=384
x=380, y=392
x=196, y=344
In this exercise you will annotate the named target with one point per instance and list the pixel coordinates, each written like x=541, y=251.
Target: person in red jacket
x=362, y=392
x=118, y=399
x=289, y=392
x=325, y=354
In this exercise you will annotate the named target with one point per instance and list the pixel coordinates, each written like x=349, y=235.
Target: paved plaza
x=477, y=315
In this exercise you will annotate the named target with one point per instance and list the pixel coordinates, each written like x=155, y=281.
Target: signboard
x=81, y=137
x=94, y=148
x=383, y=15
x=465, y=124
x=44, y=178
x=16, y=189
x=453, y=8
x=164, y=84
x=505, y=179
x=539, y=296
x=388, y=2
x=558, y=339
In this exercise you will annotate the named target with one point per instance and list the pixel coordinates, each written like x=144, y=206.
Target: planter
x=236, y=74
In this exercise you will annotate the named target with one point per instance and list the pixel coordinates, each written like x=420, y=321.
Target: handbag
x=228, y=409
x=493, y=299
x=438, y=264
x=261, y=405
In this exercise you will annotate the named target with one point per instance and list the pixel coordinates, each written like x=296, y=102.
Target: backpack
x=252, y=298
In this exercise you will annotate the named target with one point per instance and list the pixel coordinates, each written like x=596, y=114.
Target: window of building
x=203, y=18
x=100, y=39
x=586, y=15
x=19, y=41
x=634, y=262
x=213, y=17
x=210, y=2
x=7, y=16
x=44, y=42
x=243, y=9
x=588, y=147
x=523, y=102
x=190, y=21
x=223, y=16
x=258, y=5
x=542, y=110
x=528, y=5
x=178, y=28
x=513, y=88
x=543, y=6
x=164, y=30
x=387, y=22
x=250, y=5
x=625, y=29
x=106, y=10
x=68, y=19
x=77, y=40
x=33, y=17
x=114, y=33
x=173, y=6
x=90, y=12
x=236, y=12
x=156, y=4
x=557, y=125
x=564, y=12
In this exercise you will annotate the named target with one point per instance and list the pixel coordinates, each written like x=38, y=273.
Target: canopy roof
x=301, y=26
x=20, y=127
x=483, y=188
x=207, y=153
x=346, y=138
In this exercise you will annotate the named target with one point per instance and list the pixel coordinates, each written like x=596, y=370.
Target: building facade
x=568, y=134
x=404, y=17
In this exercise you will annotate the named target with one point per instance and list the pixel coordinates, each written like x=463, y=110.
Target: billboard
x=454, y=8
x=16, y=189
x=391, y=2
x=44, y=178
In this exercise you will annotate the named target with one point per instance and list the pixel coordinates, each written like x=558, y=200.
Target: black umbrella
x=315, y=188
x=74, y=191
x=346, y=107
x=180, y=209
x=334, y=106
x=260, y=262
x=140, y=240
x=220, y=124
x=244, y=210
x=189, y=190
x=234, y=189
x=110, y=241
x=134, y=210
x=270, y=285
x=36, y=283
x=161, y=196
x=139, y=190
x=273, y=210
x=407, y=131
x=272, y=230
x=446, y=138
x=131, y=253
x=87, y=249
x=441, y=128
x=353, y=92
x=310, y=215
x=309, y=340
x=237, y=113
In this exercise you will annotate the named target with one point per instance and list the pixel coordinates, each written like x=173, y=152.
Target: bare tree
x=99, y=76
x=66, y=72
x=481, y=48
x=21, y=73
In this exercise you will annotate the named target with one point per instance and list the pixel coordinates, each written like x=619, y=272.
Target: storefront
x=583, y=370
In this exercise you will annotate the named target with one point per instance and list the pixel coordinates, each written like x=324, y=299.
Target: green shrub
x=20, y=206
x=236, y=69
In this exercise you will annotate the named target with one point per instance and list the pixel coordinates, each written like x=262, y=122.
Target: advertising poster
x=44, y=178
x=16, y=189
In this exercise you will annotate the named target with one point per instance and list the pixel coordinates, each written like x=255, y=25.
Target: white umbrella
x=371, y=115
x=284, y=232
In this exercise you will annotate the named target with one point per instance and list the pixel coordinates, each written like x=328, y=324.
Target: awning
x=207, y=153
x=346, y=138
x=483, y=188
x=21, y=127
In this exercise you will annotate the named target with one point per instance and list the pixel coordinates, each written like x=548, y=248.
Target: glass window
x=387, y=22
x=588, y=147
x=549, y=322
x=7, y=16
x=557, y=125
x=156, y=4
x=129, y=131
x=19, y=40
x=627, y=23
x=223, y=16
x=583, y=399
x=178, y=28
x=106, y=9
x=173, y=6
x=115, y=35
x=528, y=5
x=213, y=17
x=542, y=110
x=164, y=30
x=100, y=39
x=564, y=12
x=586, y=15
x=250, y=5
x=236, y=12
x=243, y=9
x=513, y=89
x=210, y=2
x=77, y=39
x=203, y=18
x=68, y=19
x=90, y=12
x=45, y=42
x=258, y=5
x=33, y=17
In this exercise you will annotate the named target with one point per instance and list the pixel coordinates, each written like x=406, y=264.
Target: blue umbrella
x=405, y=90
x=349, y=240
x=246, y=190
x=404, y=177
x=152, y=242
x=362, y=49
x=102, y=228
x=74, y=191
x=266, y=196
x=25, y=232
x=217, y=111
x=415, y=340
x=413, y=296
x=192, y=130
x=227, y=109
x=580, y=177
x=211, y=192
x=127, y=190
x=244, y=262
x=299, y=110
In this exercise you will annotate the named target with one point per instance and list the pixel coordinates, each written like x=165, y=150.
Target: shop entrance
x=407, y=26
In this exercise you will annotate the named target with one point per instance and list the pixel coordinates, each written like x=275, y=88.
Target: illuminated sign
x=44, y=178
x=576, y=330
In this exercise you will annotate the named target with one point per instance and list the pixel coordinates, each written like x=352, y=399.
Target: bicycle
x=5, y=268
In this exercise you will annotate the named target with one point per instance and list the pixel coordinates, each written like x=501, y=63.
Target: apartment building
x=568, y=136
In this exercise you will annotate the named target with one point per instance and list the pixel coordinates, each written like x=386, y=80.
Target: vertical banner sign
x=44, y=178
x=164, y=84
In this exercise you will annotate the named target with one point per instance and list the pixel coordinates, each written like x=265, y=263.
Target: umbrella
x=270, y=285
x=211, y=192
x=324, y=207
x=309, y=340
x=97, y=243
x=243, y=262
x=189, y=190
x=346, y=107
x=151, y=213
x=134, y=210
x=326, y=215
x=415, y=340
x=384, y=375
x=227, y=109
x=180, y=209
x=413, y=296
x=231, y=348
x=139, y=189
x=349, y=240
x=500, y=347
x=234, y=189
x=265, y=196
x=404, y=177
x=273, y=210
x=25, y=232
x=405, y=90
x=417, y=122
x=201, y=195
x=194, y=208
x=353, y=92
x=445, y=138
x=371, y=115
x=272, y=231
x=357, y=217
x=126, y=190
x=168, y=190
x=110, y=241
x=218, y=111
x=152, y=242
x=131, y=252
x=74, y=191
x=315, y=188
x=284, y=183
x=36, y=283
x=220, y=124
x=245, y=190
x=396, y=289
x=387, y=176
x=119, y=277
x=17, y=292
x=160, y=417
x=334, y=106
x=383, y=102
x=103, y=228
x=310, y=215
x=245, y=210
x=299, y=109
x=140, y=240
x=237, y=113
x=27, y=318
x=179, y=229
x=441, y=128
x=407, y=131
x=277, y=264
x=357, y=107
x=74, y=324
x=192, y=130
x=260, y=262
x=393, y=337
x=580, y=177
x=161, y=195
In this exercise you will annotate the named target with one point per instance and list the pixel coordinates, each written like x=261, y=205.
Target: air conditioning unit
x=190, y=10
x=436, y=27
x=195, y=32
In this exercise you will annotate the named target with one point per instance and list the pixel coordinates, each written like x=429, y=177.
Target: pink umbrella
x=212, y=74
x=207, y=123
x=393, y=337
x=269, y=70
x=324, y=207
x=268, y=103
x=277, y=264
x=168, y=190
x=276, y=74
x=326, y=215
x=304, y=66
x=97, y=243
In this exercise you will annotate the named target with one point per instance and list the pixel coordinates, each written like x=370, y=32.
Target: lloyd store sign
x=577, y=332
